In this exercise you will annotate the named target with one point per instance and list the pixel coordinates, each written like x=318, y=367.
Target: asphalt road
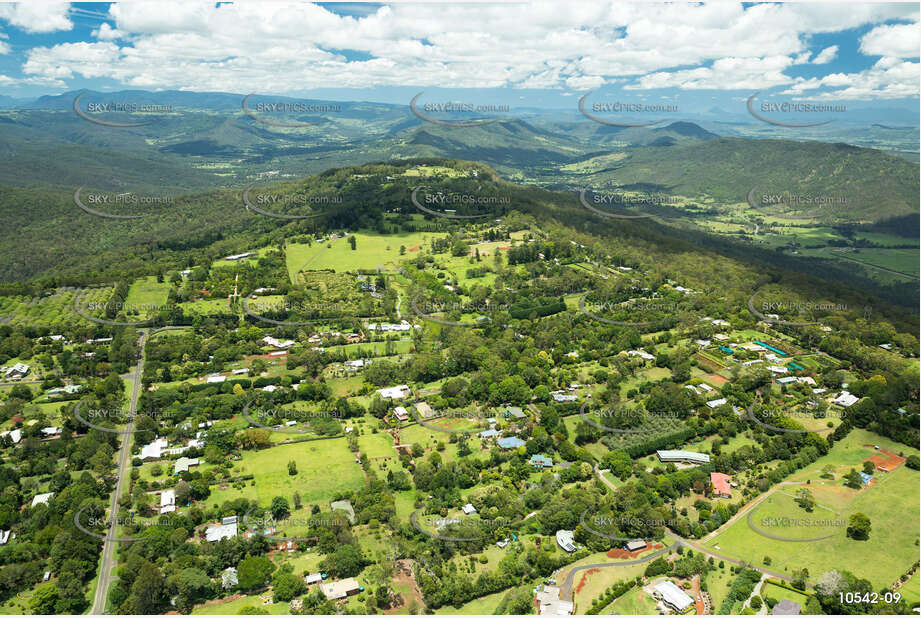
x=106, y=576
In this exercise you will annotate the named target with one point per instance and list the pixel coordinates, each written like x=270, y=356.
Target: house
x=15, y=435
x=716, y=403
x=683, y=457
x=705, y=387
x=721, y=336
x=313, y=578
x=548, y=599
x=394, y=392
x=215, y=379
x=489, y=433
x=403, y=326
x=183, y=464
x=509, y=443
x=154, y=450
x=846, y=400
x=5, y=536
x=865, y=478
x=672, y=596
x=819, y=391
x=275, y=343
x=541, y=461
x=702, y=342
x=19, y=370
x=344, y=505
x=786, y=380
x=70, y=389
x=720, y=482
x=401, y=413
x=49, y=432
x=752, y=362
x=644, y=355
x=340, y=589
x=561, y=397
x=240, y=372
x=271, y=388
x=777, y=369
x=468, y=509
x=238, y=256
x=229, y=578
x=515, y=412
x=355, y=365
x=99, y=340
x=167, y=501
x=564, y=538
x=41, y=499
x=635, y=545
x=786, y=608
x=223, y=531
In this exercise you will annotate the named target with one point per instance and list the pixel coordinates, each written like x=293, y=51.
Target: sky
x=541, y=54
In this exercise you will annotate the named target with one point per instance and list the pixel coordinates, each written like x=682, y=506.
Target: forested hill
x=48, y=236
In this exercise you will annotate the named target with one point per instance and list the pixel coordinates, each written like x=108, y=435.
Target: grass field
x=145, y=295
x=780, y=593
x=911, y=590
x=371, y=251
x=718, y=583
x=233, y=607
x=889, y=503
x=323, y=467
x=633, y=602
x=595, y=582
x=482, y=606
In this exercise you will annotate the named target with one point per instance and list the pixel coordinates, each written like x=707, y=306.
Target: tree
x=869, y=467
x=286, y=586
x=805, y=500
x=148, y=592
x=254, y=572
x=913, y=462
x=346, y=561
x=858, y=527
x=193, y=585
x=292, y=468
x=279, y=507
x=352, y=241
x=43, y=599
x=756, y=602
x=852, y=479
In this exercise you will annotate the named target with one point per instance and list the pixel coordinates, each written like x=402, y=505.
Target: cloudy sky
x=541, y=51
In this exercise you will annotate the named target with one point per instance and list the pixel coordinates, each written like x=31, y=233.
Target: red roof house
x=720, y=483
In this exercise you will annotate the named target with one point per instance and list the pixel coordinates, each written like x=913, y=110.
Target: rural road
x=566, y=588
x=124, y=463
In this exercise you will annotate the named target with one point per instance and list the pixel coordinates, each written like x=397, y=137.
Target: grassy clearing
x=635, y=601
x=323, y=468
x=147, y=292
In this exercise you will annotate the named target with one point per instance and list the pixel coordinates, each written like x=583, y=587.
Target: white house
x=224, y=531
x=42, y=499
x=154, y=450
x=846, y=399
x=716, y=402
x=276, y=343
x=394, y=392
x=672, y=596
x=19, y=370
x=167, y=501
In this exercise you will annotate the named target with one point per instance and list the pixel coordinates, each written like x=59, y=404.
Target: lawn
x=634, y=601
x=478, y=607
x=889, y=551
x=911, y=590
x=146, y=295
x=323, y=468
x=594, y=582
x=780, y=593
x=718, y=583
x=372, y=251
x=233, y=607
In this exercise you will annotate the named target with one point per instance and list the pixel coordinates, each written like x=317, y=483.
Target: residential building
x=425, y=410
x=509, y=442
x=548, y=600
x=346, y=506
x=515, y=412
x=401, y=413
x=19, y=370
x=845, y=399
x=340, y=589
x=786, y=607
x=541, y=461
x=716, y=402
x=41, y=499
x=183, y=464
x=683, y=457
x=229, y=578
x=167, y=501
x=223, y=531
x=721, y=487
x=566, y=541
x=394, y=392
x=635, y=545
x=672, y=596
x=278, y=344
x=154, y=450
x=468, y=509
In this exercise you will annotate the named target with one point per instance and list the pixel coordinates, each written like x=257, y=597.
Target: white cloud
x=37, y=17
x=900, y=41
x=826, y=55
x=6, y=80
x=282, y=47
x=889, y=78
